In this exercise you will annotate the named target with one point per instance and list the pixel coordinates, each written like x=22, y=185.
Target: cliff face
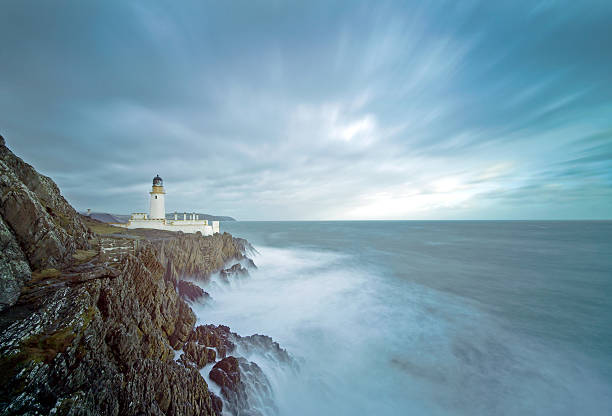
x=196, y=257
x=14, y=269
x=43, y=226
x=94, y=327
x=101, y=346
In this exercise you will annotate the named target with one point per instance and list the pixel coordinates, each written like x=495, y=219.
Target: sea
x=427, y=317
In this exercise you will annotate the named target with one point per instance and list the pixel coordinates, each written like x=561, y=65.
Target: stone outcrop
x=14, y=269
x=37, y=225
x=199, y=354
x=218, y=337
x=236, y=271
x=46, y=227
x=244, y=386
x=192, y=292
x=195, y=257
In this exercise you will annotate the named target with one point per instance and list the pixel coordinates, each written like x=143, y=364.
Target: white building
x=189, y=223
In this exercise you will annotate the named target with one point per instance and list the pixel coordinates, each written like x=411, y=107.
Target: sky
x=317, y=110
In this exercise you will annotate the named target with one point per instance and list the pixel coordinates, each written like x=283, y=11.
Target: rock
x=14, y=269
x=212, y=336
x=47, y=228
x=192, y=292
x=250, y=264
x=184, y=324
x=196, y=256
x=226, y=373
x=264, y=344
x=199, y=354
x=101, y=346
x=244, y=386
x=217, y=403
x=235, y=271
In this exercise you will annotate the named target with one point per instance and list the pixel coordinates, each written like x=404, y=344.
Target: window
x=155, y=196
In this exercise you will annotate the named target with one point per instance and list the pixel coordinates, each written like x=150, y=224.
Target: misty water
x=428, y=318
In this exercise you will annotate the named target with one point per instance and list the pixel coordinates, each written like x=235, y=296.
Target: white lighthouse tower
x=158, y=206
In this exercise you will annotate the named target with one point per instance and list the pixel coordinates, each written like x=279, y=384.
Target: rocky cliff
x=93, y=324
x=46, y=227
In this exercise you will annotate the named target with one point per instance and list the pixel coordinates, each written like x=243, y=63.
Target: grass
x=102, y=228
x=45, y=274
x=42, y=348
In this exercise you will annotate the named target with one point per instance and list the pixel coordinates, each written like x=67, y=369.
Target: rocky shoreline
x=92, y=320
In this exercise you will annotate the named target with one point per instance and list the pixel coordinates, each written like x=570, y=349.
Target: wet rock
x=192, y=292
x=212, y=336
x=226, y=373
x=244, y=386
x=199, y=354
x=264, y=344
x=235, y=271
x=250, y=264
x=217, y=403
x=196, y=256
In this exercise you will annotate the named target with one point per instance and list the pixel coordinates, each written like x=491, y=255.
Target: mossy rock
x=45, y=274
x=83, y=256
x=44, y=348
x=37, y=349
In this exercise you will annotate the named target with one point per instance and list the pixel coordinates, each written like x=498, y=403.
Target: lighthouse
x=157, y=216
x=158, y=207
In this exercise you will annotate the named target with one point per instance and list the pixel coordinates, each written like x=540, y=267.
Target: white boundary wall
x=186, y=226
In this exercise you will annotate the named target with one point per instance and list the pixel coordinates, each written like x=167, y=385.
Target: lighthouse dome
x=157, y=181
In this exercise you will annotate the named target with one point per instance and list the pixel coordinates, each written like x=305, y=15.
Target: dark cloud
x=315, y=110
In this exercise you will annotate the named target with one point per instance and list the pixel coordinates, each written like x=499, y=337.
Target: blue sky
x=316, y=110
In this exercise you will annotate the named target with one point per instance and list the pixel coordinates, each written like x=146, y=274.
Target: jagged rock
x=245, y=387
x=214, y=337
x=46, y=227
x=197, y=256
x=250, y=264
x=226, y=373
x=217, y=403
x=82, y=274
x=198, y=354
x=184, y=325
x=192, y=292
x=235, y=271
x=266, y=345
x=14, y=269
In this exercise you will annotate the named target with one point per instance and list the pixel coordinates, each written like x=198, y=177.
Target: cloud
x=315, y=110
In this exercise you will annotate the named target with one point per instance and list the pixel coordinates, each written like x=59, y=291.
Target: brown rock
x=200, y=355
x=192, y=292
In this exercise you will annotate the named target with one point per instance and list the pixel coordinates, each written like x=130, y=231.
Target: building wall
x=184, y=226
x=158, y=206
